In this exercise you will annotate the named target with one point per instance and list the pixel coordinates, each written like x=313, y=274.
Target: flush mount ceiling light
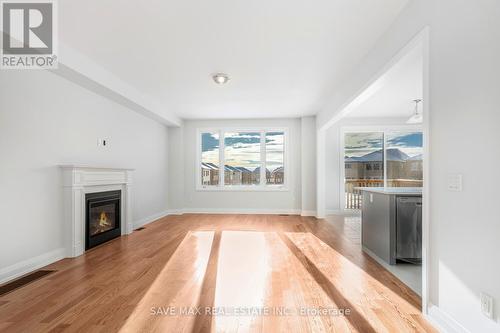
x=220, y=78
x=416, y=118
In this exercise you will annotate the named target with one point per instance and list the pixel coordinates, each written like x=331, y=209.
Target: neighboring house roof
x=418, y=157
x=209, y=166
x=213, y=165
x=278, y=170
x=257, y=170
x=244, y=170
x=393, y=154
x=231, y=168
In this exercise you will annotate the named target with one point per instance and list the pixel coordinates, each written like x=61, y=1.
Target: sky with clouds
x=242, y=149
x=359, y=144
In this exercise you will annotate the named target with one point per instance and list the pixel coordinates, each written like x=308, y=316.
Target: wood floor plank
x=292, y=266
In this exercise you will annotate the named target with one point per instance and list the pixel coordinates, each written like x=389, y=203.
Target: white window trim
x=262, y=187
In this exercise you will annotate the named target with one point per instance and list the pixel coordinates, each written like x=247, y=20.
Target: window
x=210, y=158
x=404, y=159
x=242, y=158
x=376, y=159
x=275, y=158
x=251, y=159
x=362, y=152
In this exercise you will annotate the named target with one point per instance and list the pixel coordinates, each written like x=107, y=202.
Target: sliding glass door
x=404, y=159
x=381, y=159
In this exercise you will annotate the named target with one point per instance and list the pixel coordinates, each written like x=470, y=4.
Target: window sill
x=242, y=189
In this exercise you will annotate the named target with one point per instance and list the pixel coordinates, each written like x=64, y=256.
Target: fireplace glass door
x=102, y=217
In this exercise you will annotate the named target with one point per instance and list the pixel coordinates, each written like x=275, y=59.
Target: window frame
x=262, y=186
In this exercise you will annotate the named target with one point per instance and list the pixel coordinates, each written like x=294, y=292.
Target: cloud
x=359, y=144
x=405, y=140
x=243, y=149
x=240, y=138
x=209, y=141
x=363, y=140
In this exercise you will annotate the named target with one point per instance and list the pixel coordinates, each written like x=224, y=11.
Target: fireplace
x=102, y=217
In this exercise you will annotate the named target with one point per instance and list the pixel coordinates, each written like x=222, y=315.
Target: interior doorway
x=396, y=149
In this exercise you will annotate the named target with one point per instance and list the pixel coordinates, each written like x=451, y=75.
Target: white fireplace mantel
x=79, y=180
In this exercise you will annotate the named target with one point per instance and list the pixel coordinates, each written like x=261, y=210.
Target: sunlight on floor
x=342, y=271
x=242, y=276
x=184, y=283
x=232, y=271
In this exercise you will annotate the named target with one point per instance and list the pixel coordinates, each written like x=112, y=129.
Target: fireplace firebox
x=102, y=216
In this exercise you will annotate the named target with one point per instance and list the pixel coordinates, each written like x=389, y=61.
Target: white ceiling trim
x=359, y=82
x=79, y=69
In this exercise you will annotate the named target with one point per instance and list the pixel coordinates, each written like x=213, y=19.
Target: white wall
x=184, y=169
x=464, y=133
x=45, y=121
x=308, y=165
x=176, y=172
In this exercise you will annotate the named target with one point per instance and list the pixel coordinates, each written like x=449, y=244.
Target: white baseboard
x=175, y=211
x=149, y=219
x=444, y=322
x=308, y=213
x=240, y=211
x=32, y=264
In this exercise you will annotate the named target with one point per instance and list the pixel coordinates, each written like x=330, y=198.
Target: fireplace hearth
x=102, y=217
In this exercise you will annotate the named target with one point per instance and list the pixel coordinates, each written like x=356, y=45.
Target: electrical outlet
x=486, y=305
x=103, y=142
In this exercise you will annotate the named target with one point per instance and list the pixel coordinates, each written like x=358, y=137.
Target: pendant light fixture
x=416, y=118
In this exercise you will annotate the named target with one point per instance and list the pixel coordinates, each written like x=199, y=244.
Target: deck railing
x=353, y=197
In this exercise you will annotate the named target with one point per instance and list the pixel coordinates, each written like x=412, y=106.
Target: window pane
x=209, y=159
x=275, y=157
x=242, y=155
x=404, y=159
x=364, y=164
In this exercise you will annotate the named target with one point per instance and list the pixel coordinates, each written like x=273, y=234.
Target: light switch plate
x=455, y=182
x=486, y=305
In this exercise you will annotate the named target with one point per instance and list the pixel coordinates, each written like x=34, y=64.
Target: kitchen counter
x=380, y=214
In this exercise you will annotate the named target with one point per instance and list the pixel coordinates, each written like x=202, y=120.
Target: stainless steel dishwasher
x=409, y=229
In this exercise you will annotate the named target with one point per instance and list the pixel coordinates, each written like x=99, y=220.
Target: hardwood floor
x=243, y=273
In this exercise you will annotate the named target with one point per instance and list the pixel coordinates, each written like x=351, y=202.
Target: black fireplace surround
x=102, y=217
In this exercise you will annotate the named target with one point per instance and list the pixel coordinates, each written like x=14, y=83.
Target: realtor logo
x=29, y=32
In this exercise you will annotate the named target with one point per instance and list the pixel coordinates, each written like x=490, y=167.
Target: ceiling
x=284, y=57
x=393, y=94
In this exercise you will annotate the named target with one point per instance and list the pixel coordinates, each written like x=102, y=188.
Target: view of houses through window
x=404, y=159
x=245, y=154
x=364, y=162
x=275, y=155
x=210, y=158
